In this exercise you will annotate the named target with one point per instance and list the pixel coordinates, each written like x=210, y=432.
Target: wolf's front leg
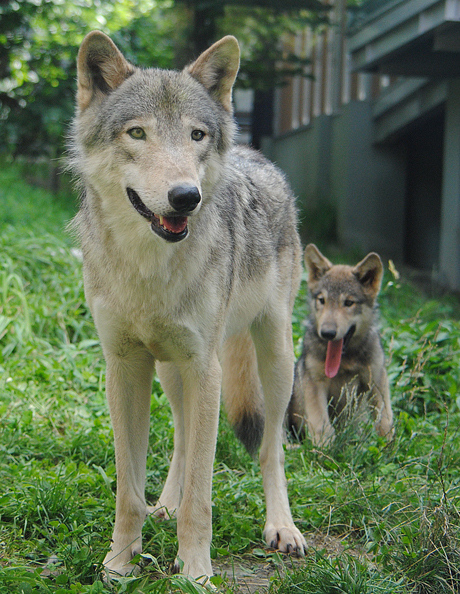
x=276, y=369
x=201, y=416
x=170, y=498
x=129, y=385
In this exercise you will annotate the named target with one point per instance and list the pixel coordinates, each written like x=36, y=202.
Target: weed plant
x=386, y=516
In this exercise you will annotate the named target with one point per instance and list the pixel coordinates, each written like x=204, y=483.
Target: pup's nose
x=328, y=333
x=184, y=199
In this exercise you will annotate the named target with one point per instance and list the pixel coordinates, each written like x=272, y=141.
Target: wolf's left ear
x=101, y=68
x=216, y=69
x=369, y=272
x=317, y=265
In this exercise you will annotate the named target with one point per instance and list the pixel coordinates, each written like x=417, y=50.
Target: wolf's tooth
x=161, y=220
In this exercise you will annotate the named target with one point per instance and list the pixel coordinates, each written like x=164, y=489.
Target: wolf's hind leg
x=171, y=495
x=241, y=390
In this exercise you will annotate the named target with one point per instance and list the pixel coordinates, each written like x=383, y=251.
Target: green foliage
x=385, y=515
x=265, y=64
x=344, y=575
x=41, y=40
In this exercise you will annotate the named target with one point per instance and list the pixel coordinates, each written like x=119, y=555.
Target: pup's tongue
x=333, y=357
x=174, y=224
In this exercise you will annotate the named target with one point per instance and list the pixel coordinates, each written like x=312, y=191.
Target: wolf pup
x=191, y=264
x=341, y=348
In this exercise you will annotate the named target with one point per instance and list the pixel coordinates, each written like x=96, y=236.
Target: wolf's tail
x=241, y=390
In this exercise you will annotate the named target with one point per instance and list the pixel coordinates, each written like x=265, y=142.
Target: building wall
x=333, y=162
x=368, y=184
x=361, y=144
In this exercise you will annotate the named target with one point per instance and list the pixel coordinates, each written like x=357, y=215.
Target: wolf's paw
x=114, y=569
x=118, y=561
x=162, y=512
x=197, y=570
x=128, y=570
x=287, y=539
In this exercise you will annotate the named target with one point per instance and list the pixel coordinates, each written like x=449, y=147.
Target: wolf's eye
x=198, y=135
x=348, y=302
x=321, y=300
x=137, y=133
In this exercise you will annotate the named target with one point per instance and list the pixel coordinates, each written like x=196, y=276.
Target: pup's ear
x=369, y=272
x=317, y=264
x=216, y=69
x=101, y=68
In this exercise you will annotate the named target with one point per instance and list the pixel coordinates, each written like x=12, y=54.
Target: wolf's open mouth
x=335, y=349
x=171, y=228
x=347, y=337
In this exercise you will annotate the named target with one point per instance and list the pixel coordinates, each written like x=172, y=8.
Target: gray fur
x=206, y=296
x=343, y=298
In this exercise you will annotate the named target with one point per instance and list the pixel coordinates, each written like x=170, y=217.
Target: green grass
x=391, y=510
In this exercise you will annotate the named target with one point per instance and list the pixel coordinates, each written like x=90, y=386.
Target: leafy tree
x=39, y=41
x=260, y=26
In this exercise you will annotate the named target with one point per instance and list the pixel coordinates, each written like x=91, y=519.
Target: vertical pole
x=449, y=258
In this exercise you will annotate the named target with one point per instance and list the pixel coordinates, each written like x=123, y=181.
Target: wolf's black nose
x=184, y=199
x=328, y=333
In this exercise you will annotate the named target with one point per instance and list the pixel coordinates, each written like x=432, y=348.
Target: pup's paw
x=324, y=438
x=287, y=539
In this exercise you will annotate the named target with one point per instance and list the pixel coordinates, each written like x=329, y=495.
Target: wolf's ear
x=216, y=69
x=317, y=264
x=101, y=68
x=369, y=272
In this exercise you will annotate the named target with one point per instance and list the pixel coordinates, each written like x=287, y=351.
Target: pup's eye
x=137, y=133
x=348, y=302
x=198, y=135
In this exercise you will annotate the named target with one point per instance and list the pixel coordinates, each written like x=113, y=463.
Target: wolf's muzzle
x=184, y=199
x=172, y=228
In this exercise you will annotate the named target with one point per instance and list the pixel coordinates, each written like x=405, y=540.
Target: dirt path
x=253, y=576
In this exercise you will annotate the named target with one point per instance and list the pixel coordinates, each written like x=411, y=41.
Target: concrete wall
x=333, y=161
x=367, y=184
x=305, y=155
x=450, y=215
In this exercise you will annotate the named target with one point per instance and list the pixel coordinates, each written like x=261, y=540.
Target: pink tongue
x=175, y=224
x=333, y=357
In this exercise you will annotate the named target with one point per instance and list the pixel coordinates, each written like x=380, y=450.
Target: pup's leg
x=129, y=385
x=309, y=406
x=275, y=358
x=201, y=383
x=171, y=495
x=241, y=390
x=382, y=412
x=319, y=425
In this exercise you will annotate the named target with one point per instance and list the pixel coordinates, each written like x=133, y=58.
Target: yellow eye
x=137, y=133
x=198, y=135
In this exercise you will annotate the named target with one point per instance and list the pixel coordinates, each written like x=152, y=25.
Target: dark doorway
x=424, y=188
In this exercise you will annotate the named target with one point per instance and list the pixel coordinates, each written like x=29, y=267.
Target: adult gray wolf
x=342, y=353
x=191, y=264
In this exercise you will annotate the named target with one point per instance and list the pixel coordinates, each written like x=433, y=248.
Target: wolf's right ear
x=101, y=68
x=317, y=264
x=216, y=69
